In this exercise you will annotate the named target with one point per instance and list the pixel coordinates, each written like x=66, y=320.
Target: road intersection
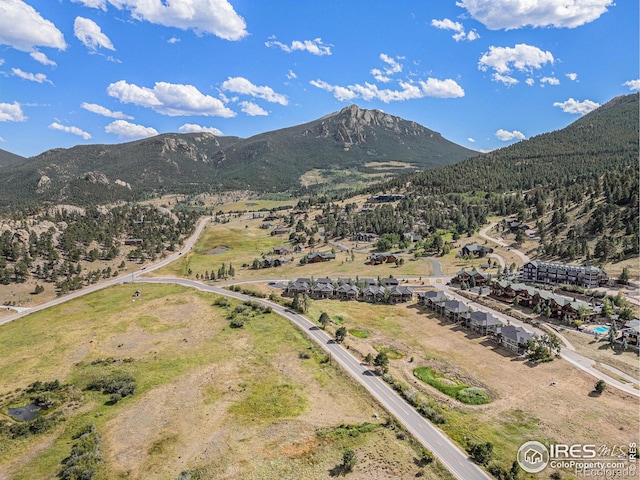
x=451, y=456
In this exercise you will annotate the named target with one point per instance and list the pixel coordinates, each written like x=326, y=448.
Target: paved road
x=450, y=455
x=583, y=363
x=427, y=434
x=499, y=258
x=502, y=243
x=188, y=244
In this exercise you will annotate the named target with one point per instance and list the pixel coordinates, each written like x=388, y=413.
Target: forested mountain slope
x=201, y=162
x=605, y=139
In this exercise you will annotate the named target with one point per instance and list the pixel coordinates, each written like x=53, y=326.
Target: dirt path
x=502, y=243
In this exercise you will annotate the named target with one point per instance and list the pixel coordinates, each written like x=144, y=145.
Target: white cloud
x=315, y=46
x=577, y=107
x=511, y=14
x=471, y=140
x=253, y=109
x=170, y=99
x=101, y=4
x=550, y=80
x=74, y=130
x=572, y=76
x=291, y=75
x=461, y=34
x=634, y=85
x=90, y=34
x=1, y=61
x=124, y=129
x=473, y=35
x=173, y=40
x=42, y=58
x=529, y=81
x=341, y=93
x=23, y=28
x=442, y=88
x=11, y=112
x=193, y=128
x=216, y=17
x=32, y=77
x=506, y=136
x=392, y=67
x=105, y=112
x=409, y=90
x=243, y=86
x=446, y=24
x=2, y=140
x=522, y=57
x=379, y=76
x=505, y=79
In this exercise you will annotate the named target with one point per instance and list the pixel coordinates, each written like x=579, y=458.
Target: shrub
x=473, y=396
x=481, y=452
x=85, y=456
x=349, y=460
x=237, y=323
x=118, y=386
x=221, y=302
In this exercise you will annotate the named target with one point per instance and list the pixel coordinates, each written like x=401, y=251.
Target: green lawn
x=453, y=388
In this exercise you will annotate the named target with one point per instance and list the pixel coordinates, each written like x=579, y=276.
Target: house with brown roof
x=317, y=257
x=464, y=275
x=381, y=258
x=365, y=237
x=472, y=249
x=282, y=250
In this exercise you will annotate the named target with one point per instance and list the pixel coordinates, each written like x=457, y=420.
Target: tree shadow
x=337, y=471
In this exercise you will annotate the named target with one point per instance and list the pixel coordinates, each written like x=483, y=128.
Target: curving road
x=450, y=455
x=502, y=243
x=188, y=244
x=580, y=361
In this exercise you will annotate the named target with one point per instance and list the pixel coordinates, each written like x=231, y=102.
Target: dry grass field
x=224, y=402
x=526, y=405
x=600, y=351
x=246, y=241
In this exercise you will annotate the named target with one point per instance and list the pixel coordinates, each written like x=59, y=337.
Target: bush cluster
x=118, y=386
x=85, y=456
x=432, y=413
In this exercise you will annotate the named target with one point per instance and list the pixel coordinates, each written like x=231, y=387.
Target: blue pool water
x=601, y=329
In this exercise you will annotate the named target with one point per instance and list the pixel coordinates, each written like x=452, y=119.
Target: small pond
x=28, y=412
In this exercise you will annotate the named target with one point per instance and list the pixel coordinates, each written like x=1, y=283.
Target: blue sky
x=483, y=73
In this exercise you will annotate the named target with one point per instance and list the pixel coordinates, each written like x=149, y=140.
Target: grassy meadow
x=245, y=241
x=254, y=402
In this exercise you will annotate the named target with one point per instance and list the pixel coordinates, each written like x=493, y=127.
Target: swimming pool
x=601, y=329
